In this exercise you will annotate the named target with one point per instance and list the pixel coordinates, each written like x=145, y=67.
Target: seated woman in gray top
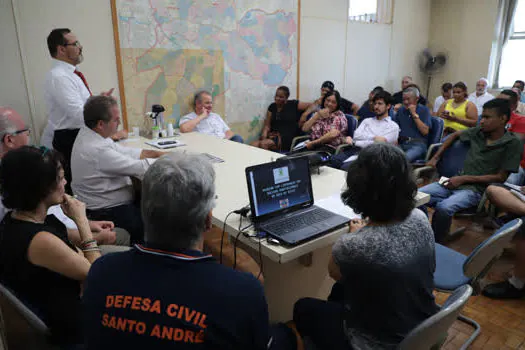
x=384, y=267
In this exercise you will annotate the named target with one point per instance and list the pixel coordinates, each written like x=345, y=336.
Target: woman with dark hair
x=458, y=112
x=384, y=267
x=37, y=261
x=329, y=126
x=281, y=123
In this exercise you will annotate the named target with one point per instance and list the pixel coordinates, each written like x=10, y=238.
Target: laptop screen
x=279, y=186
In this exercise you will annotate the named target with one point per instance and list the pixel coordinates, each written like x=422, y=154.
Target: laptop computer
x=282, y=202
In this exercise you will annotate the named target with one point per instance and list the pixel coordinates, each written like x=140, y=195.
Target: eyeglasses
x=76, y=43
x=21, y=131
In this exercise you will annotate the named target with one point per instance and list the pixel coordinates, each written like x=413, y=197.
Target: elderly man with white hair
x=14, y=134
x=481, y=95
x=414, y=124
x=167, y=292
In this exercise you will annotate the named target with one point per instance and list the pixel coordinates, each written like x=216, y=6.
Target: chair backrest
x=433, y=330
x=352, y=124
x=8, y=299
x=484, y=255
x=435, y=133
x=451, y=162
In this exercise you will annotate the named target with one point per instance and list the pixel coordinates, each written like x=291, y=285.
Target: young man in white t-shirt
x=446, y=94
x=203, y=120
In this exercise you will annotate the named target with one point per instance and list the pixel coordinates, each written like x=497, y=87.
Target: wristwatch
x=415, y=116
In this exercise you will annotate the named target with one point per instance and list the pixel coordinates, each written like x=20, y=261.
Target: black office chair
x=22, y=328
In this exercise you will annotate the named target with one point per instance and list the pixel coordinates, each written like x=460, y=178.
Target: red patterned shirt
x=337, y=120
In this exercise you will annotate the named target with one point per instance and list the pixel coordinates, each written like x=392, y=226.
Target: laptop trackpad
x=300, y=235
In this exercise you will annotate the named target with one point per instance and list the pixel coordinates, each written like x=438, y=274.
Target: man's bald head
x=14, y=132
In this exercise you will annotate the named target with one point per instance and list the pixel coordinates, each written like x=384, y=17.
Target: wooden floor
x=502, y=322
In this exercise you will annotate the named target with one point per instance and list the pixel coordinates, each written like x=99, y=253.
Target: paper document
x=165, y=143
x=513, y=187
x=335, y=205
x=300, y=145
x=518, y=194
x=350, y=159
x=212, y=158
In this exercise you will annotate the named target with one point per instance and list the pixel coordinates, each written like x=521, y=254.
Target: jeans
x=337, y=160
x=414, y=150
x=517, y=178
x=127, y=216
x=237, y=138
x=446, y=203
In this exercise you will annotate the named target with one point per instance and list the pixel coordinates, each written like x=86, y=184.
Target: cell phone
x=164, y=143
x=443, y=180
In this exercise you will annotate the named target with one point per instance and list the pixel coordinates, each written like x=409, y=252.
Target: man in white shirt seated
x=381, y=128
x=203, y=120
x=102, y=169
x=14, y=134
x=446, y=94
x=481, y=96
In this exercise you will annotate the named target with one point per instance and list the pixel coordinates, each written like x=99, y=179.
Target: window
x=370, y=11
x=363, y=11
x=509, y=49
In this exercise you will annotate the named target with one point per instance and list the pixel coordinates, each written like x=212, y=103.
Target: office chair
x=454, y=269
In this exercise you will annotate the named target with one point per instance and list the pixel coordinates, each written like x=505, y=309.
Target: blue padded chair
x=430, y=334
x=454, y=269
x=435, y=134
x=451, y=162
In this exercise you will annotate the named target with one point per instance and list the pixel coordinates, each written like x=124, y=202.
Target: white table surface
x=285, y=279
x=233, y=193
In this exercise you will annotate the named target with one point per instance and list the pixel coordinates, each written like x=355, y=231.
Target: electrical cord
x=222, y=236
x=260, y=260
x=235, y=243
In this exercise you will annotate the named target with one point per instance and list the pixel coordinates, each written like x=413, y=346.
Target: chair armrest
x=342, y=147
x=432, y=149
x=418, y=173
x=297, y=140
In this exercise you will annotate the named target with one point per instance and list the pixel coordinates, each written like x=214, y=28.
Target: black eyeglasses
x=76, y=43
x=21, y=131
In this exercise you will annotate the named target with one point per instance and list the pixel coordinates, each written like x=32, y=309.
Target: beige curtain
x=385, y=9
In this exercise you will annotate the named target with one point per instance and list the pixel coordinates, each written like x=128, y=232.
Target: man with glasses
x=14, y=134
x=66, y=91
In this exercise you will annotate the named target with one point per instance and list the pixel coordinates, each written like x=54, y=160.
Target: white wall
x=355, y=56
x=90, y=21
x=359, y=56
x=13, y=91
x=464, y=29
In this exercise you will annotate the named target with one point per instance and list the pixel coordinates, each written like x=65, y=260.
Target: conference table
x=290, y=273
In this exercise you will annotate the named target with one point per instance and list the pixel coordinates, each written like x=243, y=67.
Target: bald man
x=14, y=133
x=398, y=96
x=481, y=95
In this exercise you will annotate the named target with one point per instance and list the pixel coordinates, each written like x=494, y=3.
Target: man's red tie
x=79, y=73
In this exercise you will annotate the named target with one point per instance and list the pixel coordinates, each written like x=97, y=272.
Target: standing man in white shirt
x=65, y=91
x=102, y=169
x=481, y=96
x=381, y=128
x=203, y=120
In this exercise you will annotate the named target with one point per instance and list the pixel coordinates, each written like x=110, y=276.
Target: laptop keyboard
x=298, y=222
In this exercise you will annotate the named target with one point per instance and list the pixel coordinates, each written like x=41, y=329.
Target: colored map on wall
x=239, y=50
